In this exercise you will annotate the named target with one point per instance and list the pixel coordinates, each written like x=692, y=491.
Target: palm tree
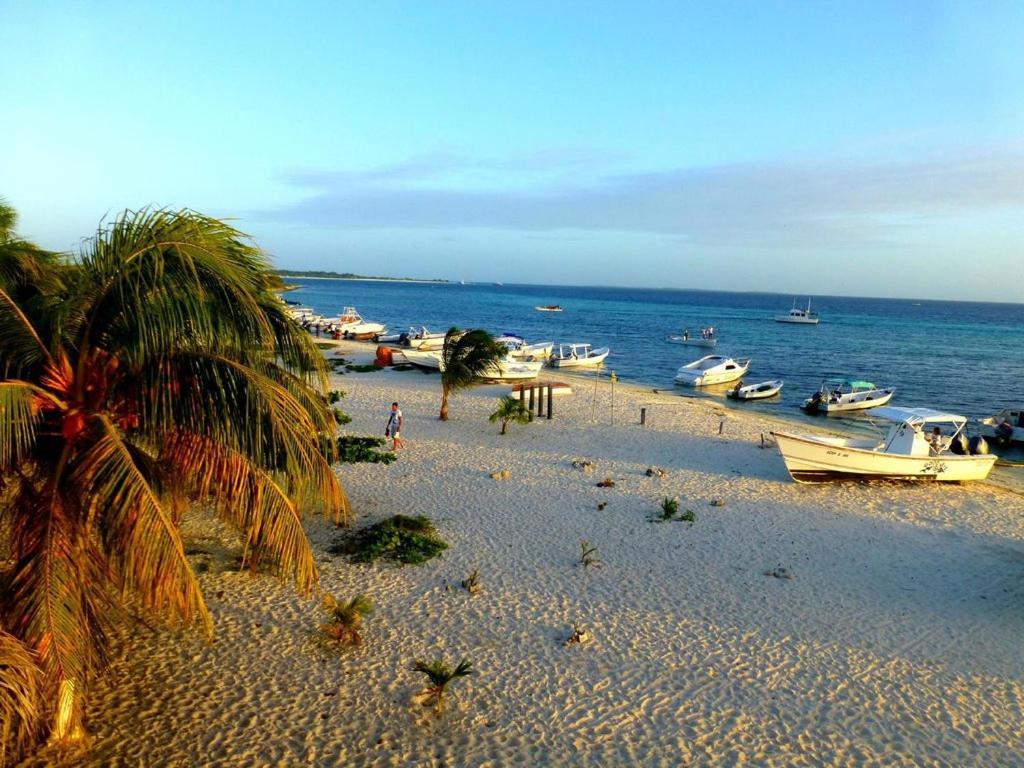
x=466, y=358
x=155, y=369
x=509, y=409
x=346, y=618
x=439, y=674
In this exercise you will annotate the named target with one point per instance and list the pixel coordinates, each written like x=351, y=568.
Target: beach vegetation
x=152, y=369
x=509, y=410
x=345, y=618
x=688, y=516
x=400, y=538
x=355, y=449
x=20, y=683
x=472, y=582
x=669, y=509
x=362, y=368
x=467, y=358
x=588, y=555
x=439, y=676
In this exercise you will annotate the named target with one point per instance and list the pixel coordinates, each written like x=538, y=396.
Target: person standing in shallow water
x=394, y=427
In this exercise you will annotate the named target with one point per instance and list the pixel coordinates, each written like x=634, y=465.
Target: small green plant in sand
x=588, y=555
x=669, y=508
x=355, y=450
x=361, y=368
x=345, y=618
x=509, y=410
x=335, y=396
x=404, y=539
x=688, y=516
x=439, y=675
x=472, y=582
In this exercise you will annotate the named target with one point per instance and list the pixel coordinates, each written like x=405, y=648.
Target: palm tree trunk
x=444, y=404
x=503, y=425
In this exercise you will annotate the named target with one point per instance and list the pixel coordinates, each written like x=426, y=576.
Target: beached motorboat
x=421, y=359
x=1005, y=427
x=519, y=348
x=910, y=450
x=422, y=338
x=798, y=315
x=511, y=369
x=578, y=356
x=549, y=308
x=352, y=326
x=712, y=369
x=755, y=391
x=706, y=338
x=837, y=395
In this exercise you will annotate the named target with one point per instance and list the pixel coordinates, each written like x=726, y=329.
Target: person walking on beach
x=394, y=427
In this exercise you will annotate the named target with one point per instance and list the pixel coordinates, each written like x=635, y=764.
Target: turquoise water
x=967, y=357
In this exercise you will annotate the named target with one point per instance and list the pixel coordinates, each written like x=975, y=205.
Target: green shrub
x=404, y=539
x=353, y=449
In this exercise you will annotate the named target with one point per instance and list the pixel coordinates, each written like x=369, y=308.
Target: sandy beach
x=896, y=641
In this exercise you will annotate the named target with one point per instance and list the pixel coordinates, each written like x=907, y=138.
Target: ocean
x=967, y=357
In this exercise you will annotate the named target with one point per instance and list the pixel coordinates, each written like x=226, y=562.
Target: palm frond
x=141, y=540
x=21, y=348
x=19, y=412
x=20, y=705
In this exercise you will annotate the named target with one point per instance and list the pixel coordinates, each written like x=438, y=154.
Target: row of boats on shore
x=920, y=443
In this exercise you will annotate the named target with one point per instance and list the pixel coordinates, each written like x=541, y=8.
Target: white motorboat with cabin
x=712, y=369
x=519, y=348
x=911, y=449
x=798, y=315
x=706, y=338
x=1005, y=427
x=578, y=355
x=836, y=395
x=351, y=325
x=759, y=391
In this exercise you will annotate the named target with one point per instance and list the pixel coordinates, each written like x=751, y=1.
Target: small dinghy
x=755, y=391
x=706, y=338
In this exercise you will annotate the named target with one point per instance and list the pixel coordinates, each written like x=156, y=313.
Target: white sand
x=897, y=642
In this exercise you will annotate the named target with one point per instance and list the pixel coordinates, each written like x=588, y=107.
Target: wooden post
x=551, y=401
x=643, y=416
x=540, y=401
x=522, y=395
x=532, y=388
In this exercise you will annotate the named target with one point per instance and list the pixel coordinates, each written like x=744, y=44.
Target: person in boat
x=1005, y=430
x=686, y=334
x=935, y=441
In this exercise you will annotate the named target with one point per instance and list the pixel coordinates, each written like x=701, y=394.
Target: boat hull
x=812, y=459
x=697, y=378
x=514, y=370
x=706, y=343
x=796, y=320
x=752, y=392
x=580, y=362
x=421, y=359
x=858, y=401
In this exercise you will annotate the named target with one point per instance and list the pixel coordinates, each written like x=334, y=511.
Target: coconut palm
x=439, y=675
x=154, y=369
x=466, y=358
x=346, y=618
x=19, y=698
x=509, y=409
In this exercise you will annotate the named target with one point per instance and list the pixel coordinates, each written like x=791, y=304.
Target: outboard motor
x=978, y=445
x=814, y=404
x=959, y=446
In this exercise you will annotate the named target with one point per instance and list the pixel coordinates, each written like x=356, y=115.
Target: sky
x=867, y=148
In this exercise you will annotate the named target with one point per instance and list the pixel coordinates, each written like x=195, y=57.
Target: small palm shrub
x=509, y=410
x=669, y=508
x=439, y=675
x=688, y=516
x=354, y=450
x=404, y=539
x=346, y=618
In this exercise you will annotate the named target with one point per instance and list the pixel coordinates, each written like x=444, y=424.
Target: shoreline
x=890, y=636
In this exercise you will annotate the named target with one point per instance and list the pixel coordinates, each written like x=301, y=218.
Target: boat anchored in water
x=712, y=369
x=706, y=338
x=759, y=391
x=578, y=355
x=906, y=451
x=1005, y=427
x=798, y=315
x=837, y=395
x=549, y=308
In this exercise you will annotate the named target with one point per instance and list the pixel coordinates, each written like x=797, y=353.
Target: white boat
x=549, y=308
x=1007, y=426
x=797, y=315
x=836, y=395
x=520, y=349
x=712, y=369
x=511, y=369
x=423, y=338
x=578, y=356
x=706, y=338
x=755, y=391
x=421, y=359
x=909, y=450
x=352, y=326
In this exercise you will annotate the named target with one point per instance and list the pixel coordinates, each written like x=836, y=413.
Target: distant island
x=351, y=276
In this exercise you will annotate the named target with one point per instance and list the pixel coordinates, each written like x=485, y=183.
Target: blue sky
x=859, y=148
